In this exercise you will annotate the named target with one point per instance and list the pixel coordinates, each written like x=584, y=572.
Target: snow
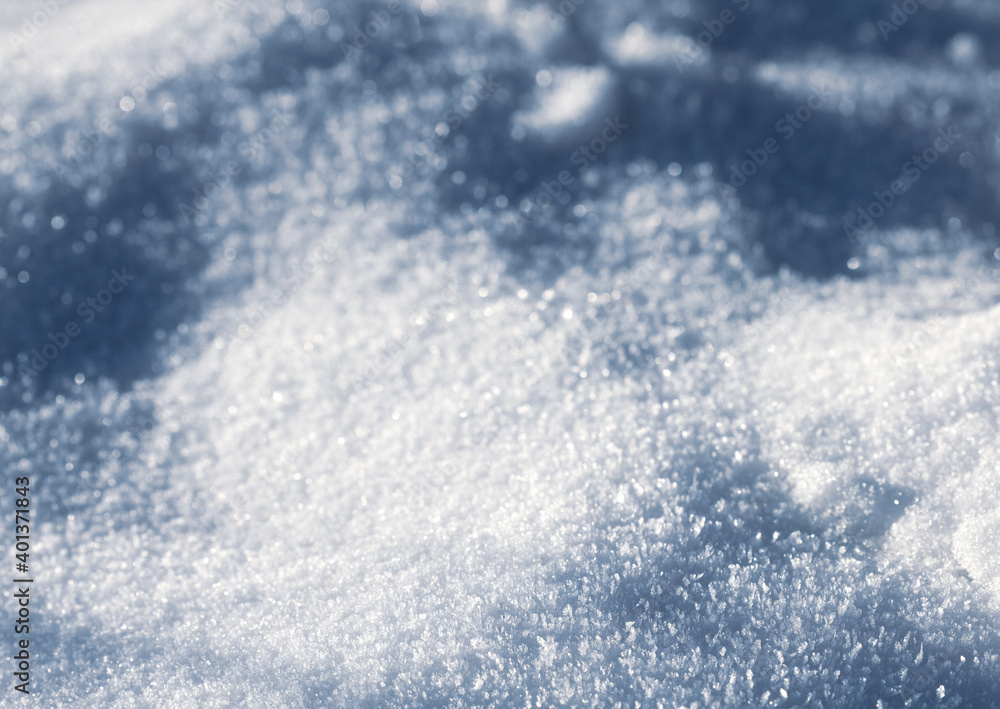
x=363, y=431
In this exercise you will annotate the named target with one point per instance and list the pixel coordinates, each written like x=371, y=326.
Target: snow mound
x=411, y=402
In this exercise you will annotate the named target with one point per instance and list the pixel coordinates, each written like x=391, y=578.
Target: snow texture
x=414, y=403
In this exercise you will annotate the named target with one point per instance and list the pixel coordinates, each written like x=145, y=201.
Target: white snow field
x=500, y=353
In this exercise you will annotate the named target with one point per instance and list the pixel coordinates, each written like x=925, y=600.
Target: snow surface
x=381, y=423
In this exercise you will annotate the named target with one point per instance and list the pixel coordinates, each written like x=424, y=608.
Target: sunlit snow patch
x=569, y=102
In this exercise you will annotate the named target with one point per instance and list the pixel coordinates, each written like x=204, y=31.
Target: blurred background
x=504, y=353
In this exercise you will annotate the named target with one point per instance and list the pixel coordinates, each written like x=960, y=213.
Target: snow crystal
x=406, y=406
